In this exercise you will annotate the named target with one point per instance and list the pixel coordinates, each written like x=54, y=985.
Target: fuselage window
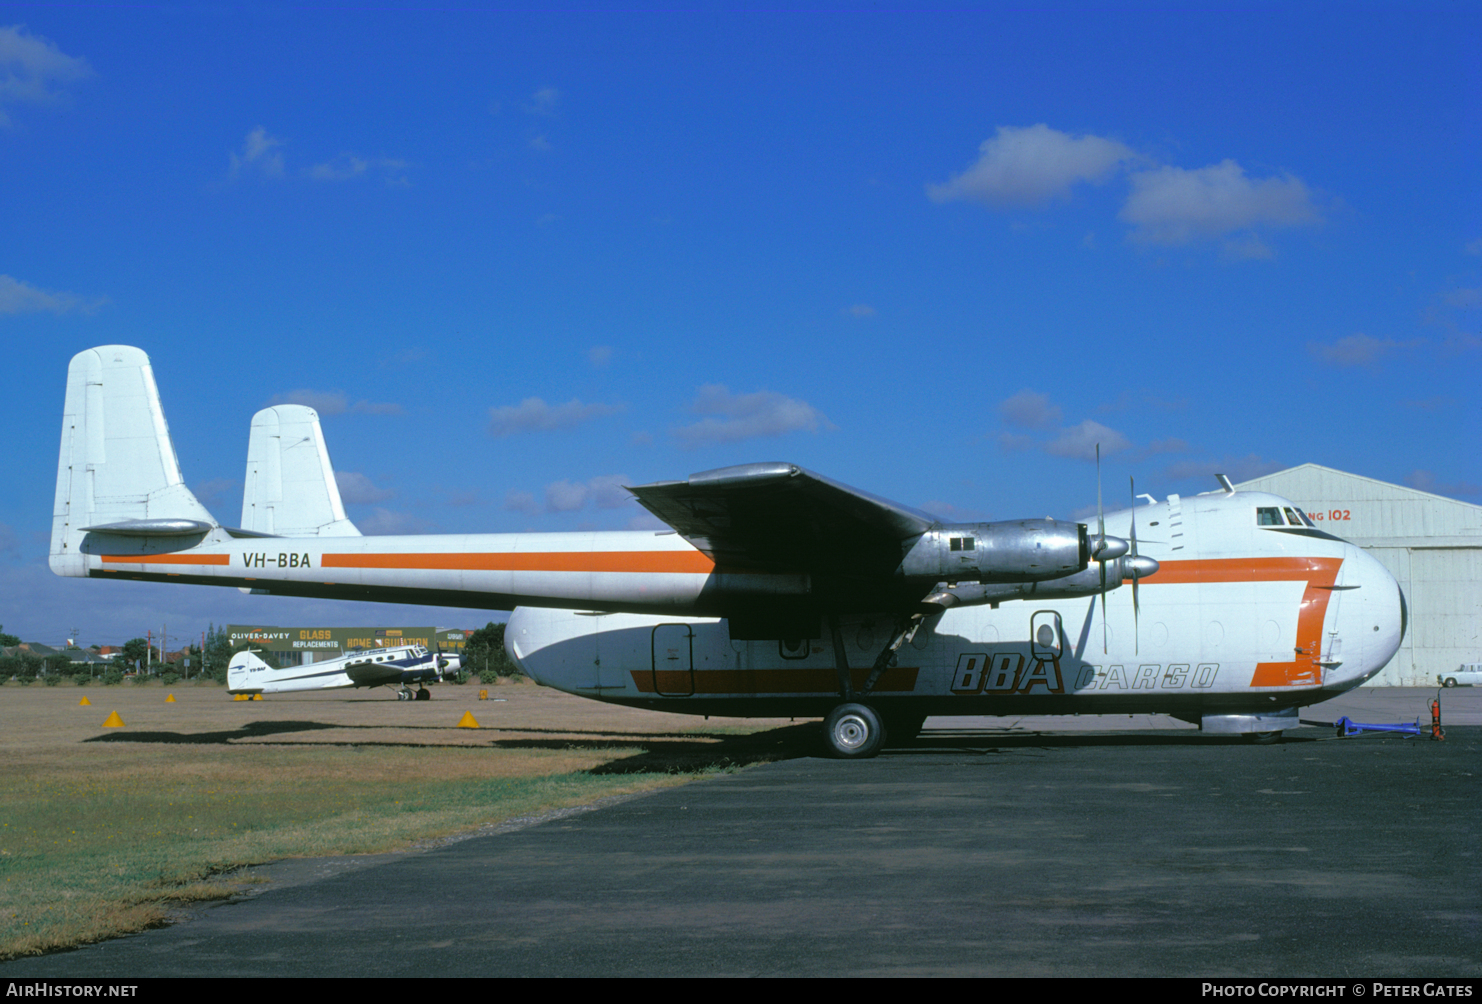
x=962, y=543
x=1268, y=516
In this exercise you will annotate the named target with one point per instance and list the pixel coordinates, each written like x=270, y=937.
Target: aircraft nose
x=1380, y=615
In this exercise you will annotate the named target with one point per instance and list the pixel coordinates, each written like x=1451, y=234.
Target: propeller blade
x=1132, y=484
x=1101, y=544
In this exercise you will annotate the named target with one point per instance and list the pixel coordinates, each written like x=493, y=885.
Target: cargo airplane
x=776, y=591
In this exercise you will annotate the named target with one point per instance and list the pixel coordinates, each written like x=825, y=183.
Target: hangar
x=1431, y=544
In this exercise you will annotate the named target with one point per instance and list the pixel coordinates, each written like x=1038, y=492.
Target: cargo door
x=674, y=660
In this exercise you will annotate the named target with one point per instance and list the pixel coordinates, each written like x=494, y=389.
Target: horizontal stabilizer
x=289, y=489
x=152, y=527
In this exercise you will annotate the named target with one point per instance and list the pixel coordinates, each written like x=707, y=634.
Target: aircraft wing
x=779, y=517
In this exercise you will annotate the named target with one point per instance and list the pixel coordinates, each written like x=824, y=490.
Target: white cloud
x=861, y=310
x=1427, y=481
x=1030, y=410
x=1171, y=205
x=1080, y=441
x=565, y=496
x=605, y=491
x=1236, y=468
x=347, y=167
x=18, y=297
x=217, y=490
x=1357, y=350
x=334, y=402
x=734, y=417
x=384, y=522
x=31, y=67
x=260, y=154
x=357, y=489
x=534, y=415
x=521, y=502
x=543, y=101
x=1030, y=166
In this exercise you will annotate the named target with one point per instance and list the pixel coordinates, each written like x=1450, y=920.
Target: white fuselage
x=1239, y=618
x=248, y=674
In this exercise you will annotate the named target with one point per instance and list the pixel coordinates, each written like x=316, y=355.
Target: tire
x=1450, y=682
x=1263, y=738
x=423, y=695
x=854, y=732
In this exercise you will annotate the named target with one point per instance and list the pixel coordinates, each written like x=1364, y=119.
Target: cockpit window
x=1268, y=516
x=1291, y=517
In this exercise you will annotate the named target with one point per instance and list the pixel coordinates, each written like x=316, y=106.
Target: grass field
x=104, y=830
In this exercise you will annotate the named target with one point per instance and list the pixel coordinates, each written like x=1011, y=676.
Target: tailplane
x=289, y=489
x=118, y=472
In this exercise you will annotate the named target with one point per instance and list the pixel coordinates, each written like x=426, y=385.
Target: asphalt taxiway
x=1153, y=852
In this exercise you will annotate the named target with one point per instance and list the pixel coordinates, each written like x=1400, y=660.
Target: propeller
x=1134, y=566
x=1101, y=540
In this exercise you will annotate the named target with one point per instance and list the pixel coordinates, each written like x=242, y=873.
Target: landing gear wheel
x=854, y=732
x=1263, y=738
x=423, y=695
x=403, y=695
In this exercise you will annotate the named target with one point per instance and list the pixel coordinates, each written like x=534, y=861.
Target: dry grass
x=103, y=830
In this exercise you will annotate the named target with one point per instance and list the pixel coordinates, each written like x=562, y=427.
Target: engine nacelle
x=1087, y=582
x=1029, y=550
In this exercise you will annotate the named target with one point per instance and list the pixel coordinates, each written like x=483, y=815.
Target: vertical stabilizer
x=289, y=488
x=117, y=462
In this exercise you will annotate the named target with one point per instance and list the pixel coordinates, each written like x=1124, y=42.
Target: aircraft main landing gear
x=854, y=731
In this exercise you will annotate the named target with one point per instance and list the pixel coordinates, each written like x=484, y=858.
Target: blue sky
x=518, y=258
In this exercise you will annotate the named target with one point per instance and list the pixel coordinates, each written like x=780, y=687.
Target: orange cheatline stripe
x=550, y=561
x=1243, y=570
x=167, y=559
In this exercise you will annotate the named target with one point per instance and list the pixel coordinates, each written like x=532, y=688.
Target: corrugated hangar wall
x=1431, y=544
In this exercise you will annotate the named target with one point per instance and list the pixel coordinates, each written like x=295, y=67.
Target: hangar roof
x=1374, y=513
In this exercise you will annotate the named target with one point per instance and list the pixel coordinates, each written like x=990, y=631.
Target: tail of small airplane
x=238, y=670
x=118, y=467
x=289, y=488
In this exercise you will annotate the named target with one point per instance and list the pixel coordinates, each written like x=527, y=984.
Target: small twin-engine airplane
x=776, y=592
x=401, y=666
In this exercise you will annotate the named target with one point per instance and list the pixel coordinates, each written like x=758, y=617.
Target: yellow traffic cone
x=84, y=703
x=113, y=722
x=169, y=698
x=466, y=722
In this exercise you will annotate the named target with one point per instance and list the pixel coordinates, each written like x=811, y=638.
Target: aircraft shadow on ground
x=683, y=753
x=252, y=730
x=688, y=752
